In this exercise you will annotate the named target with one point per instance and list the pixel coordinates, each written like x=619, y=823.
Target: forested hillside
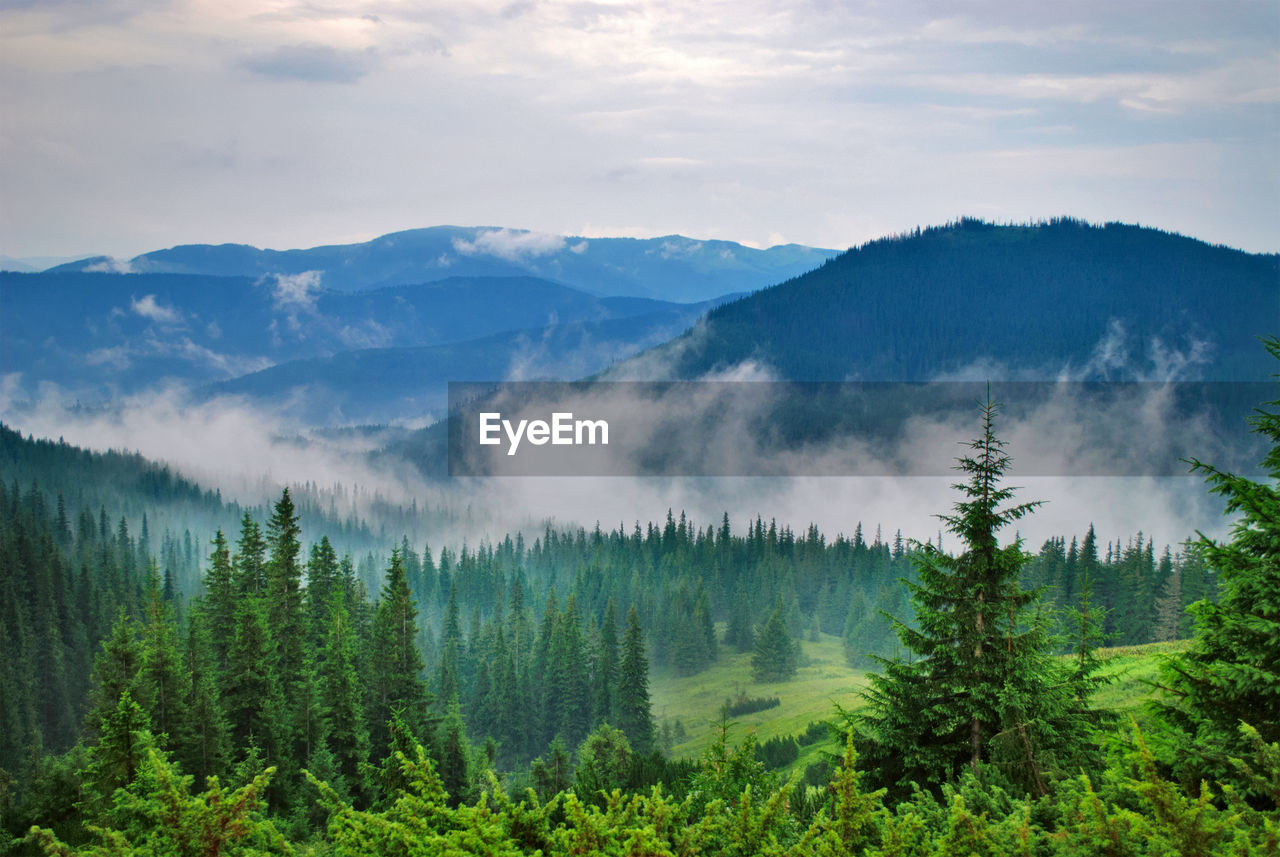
x=528, y=662
x=1112, y=302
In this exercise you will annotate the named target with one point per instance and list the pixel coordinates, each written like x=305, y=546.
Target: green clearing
x=822, y=682
x=1135, y=669
x=826, y=680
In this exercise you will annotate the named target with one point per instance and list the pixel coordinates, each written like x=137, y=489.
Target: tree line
x=981, y=742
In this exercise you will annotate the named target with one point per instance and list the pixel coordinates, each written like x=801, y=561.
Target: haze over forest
x=938, y=353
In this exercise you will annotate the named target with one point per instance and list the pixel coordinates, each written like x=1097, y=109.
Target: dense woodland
x=1067, y=283
x=491, y=700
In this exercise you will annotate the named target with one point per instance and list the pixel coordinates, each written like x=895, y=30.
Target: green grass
x=1135, y=668
x=695, y=700
x=827, y=681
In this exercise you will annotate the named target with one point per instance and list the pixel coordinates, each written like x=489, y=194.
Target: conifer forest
x=253, y=690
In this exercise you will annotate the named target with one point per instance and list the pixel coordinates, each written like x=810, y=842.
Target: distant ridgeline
x=1113, y=302
x=516, y=642
x=973, y=301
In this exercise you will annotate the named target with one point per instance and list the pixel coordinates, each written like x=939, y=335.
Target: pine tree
x=115, y=671
x=606, y=668
x=455, y=757
x=114, y=761
x=250, y=688
x=554, y=774
x=207, y=751
x=982, y=687
x=775, y=652
x=566, y=684
x=1231, y=673
x=323, y=576
x=250, y=559
x=634, y=716
x=284, y=592
x=740, y=634
x=397, y=664
x=163, y=678
x=343, y=694
x=220, y=598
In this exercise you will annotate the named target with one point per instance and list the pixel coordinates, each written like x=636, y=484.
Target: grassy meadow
x=825, y=680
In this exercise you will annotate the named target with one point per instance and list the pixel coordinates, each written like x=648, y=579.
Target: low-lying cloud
x=514, y=245
x=148, y=307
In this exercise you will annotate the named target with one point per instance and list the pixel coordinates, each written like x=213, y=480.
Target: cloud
x=1115, y=356
x=296, y=294
x=117, y=357
x=245, y=450
x=109, y=265
x=514, y=245
x=368, y=334
x=679, y=249
x=149, y=307
x=313, y=63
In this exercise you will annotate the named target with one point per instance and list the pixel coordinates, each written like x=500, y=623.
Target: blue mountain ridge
x=672, y=267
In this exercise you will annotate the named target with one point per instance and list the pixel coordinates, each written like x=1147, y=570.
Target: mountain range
x=673, y=267
x=329, y=332
x=99, y=335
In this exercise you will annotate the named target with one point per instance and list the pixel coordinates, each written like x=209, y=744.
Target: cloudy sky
x=130, y=125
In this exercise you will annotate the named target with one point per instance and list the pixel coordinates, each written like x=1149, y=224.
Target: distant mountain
x=672, y=268
x=974, y=300
x=376, y=385
x=100, y=334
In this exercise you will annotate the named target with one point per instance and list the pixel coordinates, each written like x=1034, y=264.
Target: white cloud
x=514, y=245
x=110, y=265
x=296, y=294
x=148, y=307
x=828, y=121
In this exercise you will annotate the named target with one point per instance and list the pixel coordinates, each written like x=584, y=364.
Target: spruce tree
x=634, y=716
x=739, y=633
x=982, y=686
x=343, y=693
x=454, y=767
x=124, y=739
x=606, y=668
x=249, y=561
x=206, y=752
x=1231, y=673
x=164, y=680
x=775, y=657
x=396, y=661
x=284, y=591
x=220, y=599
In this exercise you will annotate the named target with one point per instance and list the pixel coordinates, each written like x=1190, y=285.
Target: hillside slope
x=1019, y=302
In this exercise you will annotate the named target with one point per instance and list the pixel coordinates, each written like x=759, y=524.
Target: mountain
x=376, y=385
x=672, y=268
x=98, y=334
x=968, y=301
x=975, y=300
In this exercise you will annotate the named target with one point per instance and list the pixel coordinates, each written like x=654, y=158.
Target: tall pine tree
x=634, y=717
x=982, y=687
x=1231, y=673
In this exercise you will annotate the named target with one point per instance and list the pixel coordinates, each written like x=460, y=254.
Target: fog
x=248, y=452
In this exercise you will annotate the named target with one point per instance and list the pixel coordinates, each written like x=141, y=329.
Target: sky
x=132, y=125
